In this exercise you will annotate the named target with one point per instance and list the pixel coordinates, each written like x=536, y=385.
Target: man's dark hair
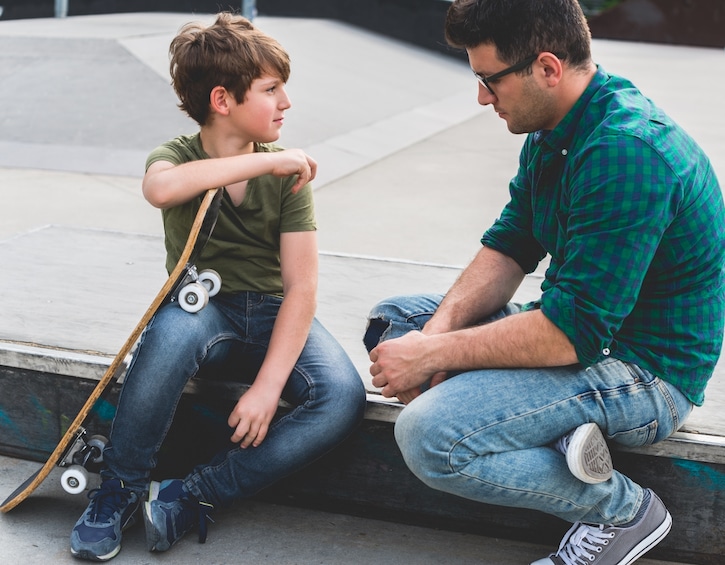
x=521, y=28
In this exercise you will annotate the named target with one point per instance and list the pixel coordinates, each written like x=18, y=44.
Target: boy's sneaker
x=97, y=533
x=586, y=544
x=587, y=454
x=170, y=512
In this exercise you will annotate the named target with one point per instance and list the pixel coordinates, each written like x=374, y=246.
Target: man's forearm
x=528, y=339
x=484, y=287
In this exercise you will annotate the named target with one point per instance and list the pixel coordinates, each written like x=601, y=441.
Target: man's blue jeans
x=486, y=435
x=231, y=333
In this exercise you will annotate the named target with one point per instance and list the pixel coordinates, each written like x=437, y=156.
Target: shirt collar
x=560, y=138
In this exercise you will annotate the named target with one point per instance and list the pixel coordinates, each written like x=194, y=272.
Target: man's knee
x=396, y=316
x=374, y=333
x=380, y=320
x=420, y=442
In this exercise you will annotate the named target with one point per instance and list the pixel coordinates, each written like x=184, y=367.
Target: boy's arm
x=166, y=185
x=253, y=413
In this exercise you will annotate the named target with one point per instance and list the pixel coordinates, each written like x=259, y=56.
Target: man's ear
x=552, y=67
x=219, y=100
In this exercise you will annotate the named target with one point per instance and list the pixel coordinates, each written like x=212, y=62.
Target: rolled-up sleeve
x=511, y=234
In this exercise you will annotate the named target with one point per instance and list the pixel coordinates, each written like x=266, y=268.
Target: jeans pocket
x=638, y=374
x=637, y=437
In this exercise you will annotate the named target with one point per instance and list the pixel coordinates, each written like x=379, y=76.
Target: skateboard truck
x=82, y=453
x=196, y=288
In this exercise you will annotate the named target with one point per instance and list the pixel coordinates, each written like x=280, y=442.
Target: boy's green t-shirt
x=244, y=247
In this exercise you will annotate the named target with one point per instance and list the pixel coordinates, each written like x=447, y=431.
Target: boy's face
x=261, y=114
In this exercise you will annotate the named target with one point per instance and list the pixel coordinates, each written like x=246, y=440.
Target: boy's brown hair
x=230, y=53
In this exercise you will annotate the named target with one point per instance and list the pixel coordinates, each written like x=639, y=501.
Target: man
x=508, y=404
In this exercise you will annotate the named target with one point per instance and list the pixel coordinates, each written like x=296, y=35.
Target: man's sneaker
x=587, y=454
x=587, y=544
x=170, y=512
x=97, y=533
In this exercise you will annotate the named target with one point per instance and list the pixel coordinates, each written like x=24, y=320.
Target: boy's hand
x=294, y=162
x=252, y=416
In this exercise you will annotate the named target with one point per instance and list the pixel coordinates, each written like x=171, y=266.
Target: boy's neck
x=216, y=145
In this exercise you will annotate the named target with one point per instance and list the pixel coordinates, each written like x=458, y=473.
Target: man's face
x=520, y=99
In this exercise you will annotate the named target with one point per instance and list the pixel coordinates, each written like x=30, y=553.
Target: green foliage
x=594, y=7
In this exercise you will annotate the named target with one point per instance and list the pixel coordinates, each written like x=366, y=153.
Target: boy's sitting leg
x=169, y=350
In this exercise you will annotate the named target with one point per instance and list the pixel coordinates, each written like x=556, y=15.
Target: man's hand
x=407, y=396
x=401, y=365
x=252, y=416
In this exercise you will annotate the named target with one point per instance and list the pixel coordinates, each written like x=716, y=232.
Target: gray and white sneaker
x=586, y=544
x=587, y=454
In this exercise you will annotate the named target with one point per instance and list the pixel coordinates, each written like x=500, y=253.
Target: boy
x=230, y=78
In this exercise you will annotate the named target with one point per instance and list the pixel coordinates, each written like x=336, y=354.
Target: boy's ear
x=219, y=100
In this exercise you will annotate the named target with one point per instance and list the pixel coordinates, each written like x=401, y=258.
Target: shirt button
x=564, y=152
x=606, y=351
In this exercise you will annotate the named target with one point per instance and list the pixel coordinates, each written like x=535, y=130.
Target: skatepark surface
x=411, y=172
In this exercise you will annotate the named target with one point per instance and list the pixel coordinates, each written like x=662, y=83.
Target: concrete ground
x=255, y=533
x=410, y=168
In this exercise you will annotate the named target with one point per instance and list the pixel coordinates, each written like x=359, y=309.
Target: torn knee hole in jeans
x=377, y=330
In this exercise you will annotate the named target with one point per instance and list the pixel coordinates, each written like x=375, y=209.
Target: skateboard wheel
x=211, y=280
x=74, y=479
x=97, y=444
x=193, y=297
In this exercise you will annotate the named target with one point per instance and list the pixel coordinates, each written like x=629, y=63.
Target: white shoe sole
x=587, y=455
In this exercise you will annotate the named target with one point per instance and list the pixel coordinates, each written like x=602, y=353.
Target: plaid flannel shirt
x=630, y=210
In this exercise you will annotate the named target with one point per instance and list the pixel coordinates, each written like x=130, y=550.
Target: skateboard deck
x=75, y=447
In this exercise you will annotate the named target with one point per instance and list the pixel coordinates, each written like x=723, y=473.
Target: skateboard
x=77, y=451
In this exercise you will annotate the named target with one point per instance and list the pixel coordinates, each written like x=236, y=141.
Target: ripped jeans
x=486, y=435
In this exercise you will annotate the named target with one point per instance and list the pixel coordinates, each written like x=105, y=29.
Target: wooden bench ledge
x=687, y=444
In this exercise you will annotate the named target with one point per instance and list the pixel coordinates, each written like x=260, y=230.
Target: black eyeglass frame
x=520, y=66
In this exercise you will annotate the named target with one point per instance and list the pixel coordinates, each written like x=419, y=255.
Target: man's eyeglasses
x=520, y=66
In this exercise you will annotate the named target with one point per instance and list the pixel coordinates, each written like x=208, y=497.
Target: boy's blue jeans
x=231, y=333
x=486, y=435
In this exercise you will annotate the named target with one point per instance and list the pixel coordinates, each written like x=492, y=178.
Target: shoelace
x=106, y=501
x=195, y=511
x=204, y=518
x=582, y=543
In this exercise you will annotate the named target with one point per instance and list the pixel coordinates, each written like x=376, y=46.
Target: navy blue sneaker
x=97, y=533
x=171, y=512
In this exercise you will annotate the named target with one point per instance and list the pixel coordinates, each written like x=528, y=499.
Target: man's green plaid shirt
x=630, y=210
